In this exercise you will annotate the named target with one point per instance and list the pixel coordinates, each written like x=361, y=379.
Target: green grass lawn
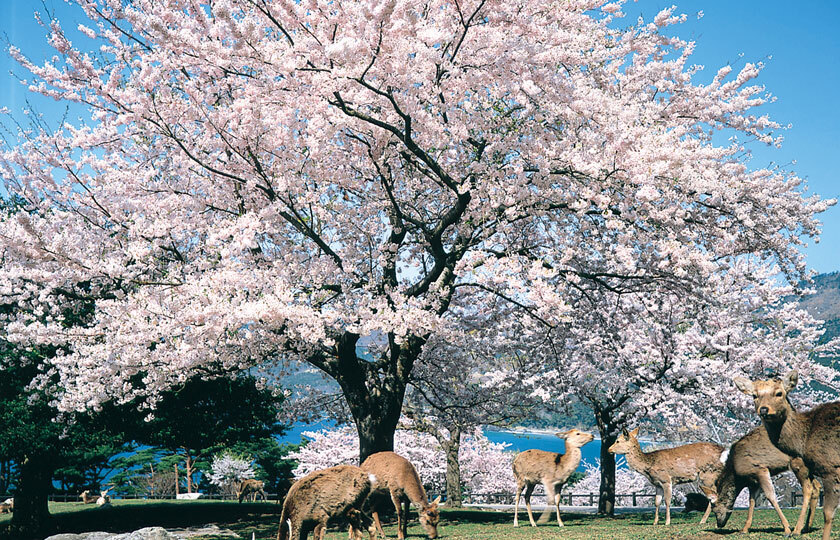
x=263, y=520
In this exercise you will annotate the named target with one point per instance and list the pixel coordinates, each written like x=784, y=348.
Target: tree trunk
x=188, y=470
x=607, y=430
x=4, y=484
x=374, y=390
x=453, y=469
x=606, y=496
x=31, y=518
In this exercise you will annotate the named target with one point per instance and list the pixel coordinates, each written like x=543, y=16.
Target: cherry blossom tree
x=473, y=376
x=667, y=359
x=227, y=471
x=261, y=180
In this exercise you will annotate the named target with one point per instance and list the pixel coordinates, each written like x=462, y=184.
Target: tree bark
x=188, y=470
x=31, y=518
x=606, y=494
x=453, y=469
x=374, y=390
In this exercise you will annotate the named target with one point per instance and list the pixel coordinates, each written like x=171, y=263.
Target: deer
x=7, y=506
x=813, y=436
x=398, y=479
x=550, y=469
x=87, y=497
x=672, y=466
x=104, y=499
x=751, y=462
x=337, y=492
x=251, y=488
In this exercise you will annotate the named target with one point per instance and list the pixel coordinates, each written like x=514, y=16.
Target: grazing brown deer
x=397, y=478
x=317, y=497
x=251, y=488
x=750, y=462
x=87, y=497
x=813, y=436
x=550, y=469
x=671, y=466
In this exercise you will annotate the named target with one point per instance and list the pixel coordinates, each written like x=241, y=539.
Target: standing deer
x=672, y=466
x=813, y=436
x=550, y=469
x=251, y=488
x=397, y=478
x=750, y=463
x=317, y=497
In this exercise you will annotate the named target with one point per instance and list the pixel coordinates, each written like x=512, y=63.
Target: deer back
x=535, y=466
x=396, y=474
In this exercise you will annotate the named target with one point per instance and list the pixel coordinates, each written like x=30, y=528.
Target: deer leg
x=830, y=500
x=519, y=488
x=407, y=514
x=807, y=487
x=751, y=510
x=400, y=517
x=706, y=513
x=528, y=490
x=378, y=524
x=816, y=486
x=657, y=501
x=549, y=500
x=770, y=492
x=557, y=505
x=668, y=503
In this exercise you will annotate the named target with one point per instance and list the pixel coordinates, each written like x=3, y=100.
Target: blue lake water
x=519, y=441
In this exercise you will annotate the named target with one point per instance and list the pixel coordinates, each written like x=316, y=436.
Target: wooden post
x=176, y=480
x=634, y=498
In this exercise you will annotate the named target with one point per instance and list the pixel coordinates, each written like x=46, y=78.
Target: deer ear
x=436, y=501
x=790, y=380
x=562, y=434
x=635, y=433
x=744, y=385
x=625, y=433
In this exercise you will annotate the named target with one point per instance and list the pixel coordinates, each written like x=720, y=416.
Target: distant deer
x=7, y=506
x=87, y=497
x=251, y=488
x=813, y=436
x=671, y=466
x=750, y=462
x=550, y=469
x=397, y=478
x=320, y=496
x=104, y=499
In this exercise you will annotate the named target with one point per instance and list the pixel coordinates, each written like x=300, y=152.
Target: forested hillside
x=824, y=304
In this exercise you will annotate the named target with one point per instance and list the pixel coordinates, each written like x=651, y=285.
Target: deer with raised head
x=750, y=463
x=397, y=479
x=87, y=497
x=337, y=492
x=251, y=488
x=550, y=469
x=672, y=466
x=813, y=436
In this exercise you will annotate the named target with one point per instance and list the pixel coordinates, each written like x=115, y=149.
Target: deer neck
x=637, y=459
x=572, y=453
x=789, y=433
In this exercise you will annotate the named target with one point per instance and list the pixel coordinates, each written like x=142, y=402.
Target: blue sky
x=798, y=42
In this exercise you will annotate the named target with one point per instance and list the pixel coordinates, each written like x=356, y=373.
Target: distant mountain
x=824, y=304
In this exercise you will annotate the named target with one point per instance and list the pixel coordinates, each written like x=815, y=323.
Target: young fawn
x=751, y=462
x=671, y=466
x=550, y=469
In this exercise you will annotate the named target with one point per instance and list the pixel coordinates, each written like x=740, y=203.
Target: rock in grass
x=148, y=533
